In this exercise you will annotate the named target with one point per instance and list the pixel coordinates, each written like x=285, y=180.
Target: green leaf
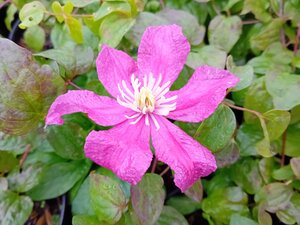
x=86, y=220
x=67, y=140
x=22, y=110
x=291, y=10
x=275, y=196
x=25, y=180
x=257, y=99
x=292, y=140
x=10, y=15
x=286, y=216
x=209, y=55
x=263, y=217
x=213, y=134
x=190, y=26
x=220, y=180
x=113, y=28
x=124, y=185
x=245, y=73
x=107, y=198
x=169, y=216
x=75, y=28
x=129, y=218
x=143, y=20
x=267, y=35
x=7, y=161
x=14, y=209
x=258, y=8
x=35, y=38
x=75, y=60
x=224, y=32
x=147, y=198
x=221, y=204
x=248, y=135
x=275, y=57
x=81, y=3
x=228, y=155
x=195, y=192
x=236, y=219
x=295, y=165
x=283, y=173
x=81, y=203
x=109, y=7
x=266, y=167
x=58, y=178
x=276, y=121
x=31, y=14
x=249, y=177
x=58, y=10
x=284, y=88
x=183, y=204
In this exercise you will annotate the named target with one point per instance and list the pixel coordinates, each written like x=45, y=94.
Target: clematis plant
x=141, y=105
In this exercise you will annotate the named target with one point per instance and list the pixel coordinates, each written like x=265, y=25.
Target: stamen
x=137, y=120
x=126, y=89
x=155, y=121
x=133, y=116
x=164, y=100
x=147, y=120
x=145, y=98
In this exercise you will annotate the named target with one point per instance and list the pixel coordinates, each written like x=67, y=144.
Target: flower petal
x=184, y=155
x=101, y=109
x=113, y=66
x=200, y=97
x=163, y=50
x=124, y=149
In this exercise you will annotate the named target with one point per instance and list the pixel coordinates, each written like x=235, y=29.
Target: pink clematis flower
x=141, y=104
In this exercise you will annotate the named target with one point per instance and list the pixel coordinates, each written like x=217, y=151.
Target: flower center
x=146, y=100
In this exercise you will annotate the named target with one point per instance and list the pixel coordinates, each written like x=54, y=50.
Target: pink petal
x=200, y=97
x=113, y=66
x=184, y=155
x=124, y=149
x=163, y=50
x=103, y=110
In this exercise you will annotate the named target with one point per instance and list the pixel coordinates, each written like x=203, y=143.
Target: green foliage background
x=254, y=134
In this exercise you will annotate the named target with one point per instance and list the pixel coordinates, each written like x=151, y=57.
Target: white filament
x=146, y=100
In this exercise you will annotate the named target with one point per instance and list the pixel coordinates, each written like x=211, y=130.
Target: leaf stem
x=246, y=22
x=25, y=154
x=74, y=85
x=154, y=165
x=283, y=148
x=258, y=114
x=74, y=15
x=164, y=171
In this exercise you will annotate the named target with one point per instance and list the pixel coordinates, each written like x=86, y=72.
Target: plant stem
x=258, y=114
x=74, y=15
x=296, y=45
x=246, y=22
x=74, y=85
x=283, y=148
x=154, y=165
x=164, y=171
x=25, y=154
